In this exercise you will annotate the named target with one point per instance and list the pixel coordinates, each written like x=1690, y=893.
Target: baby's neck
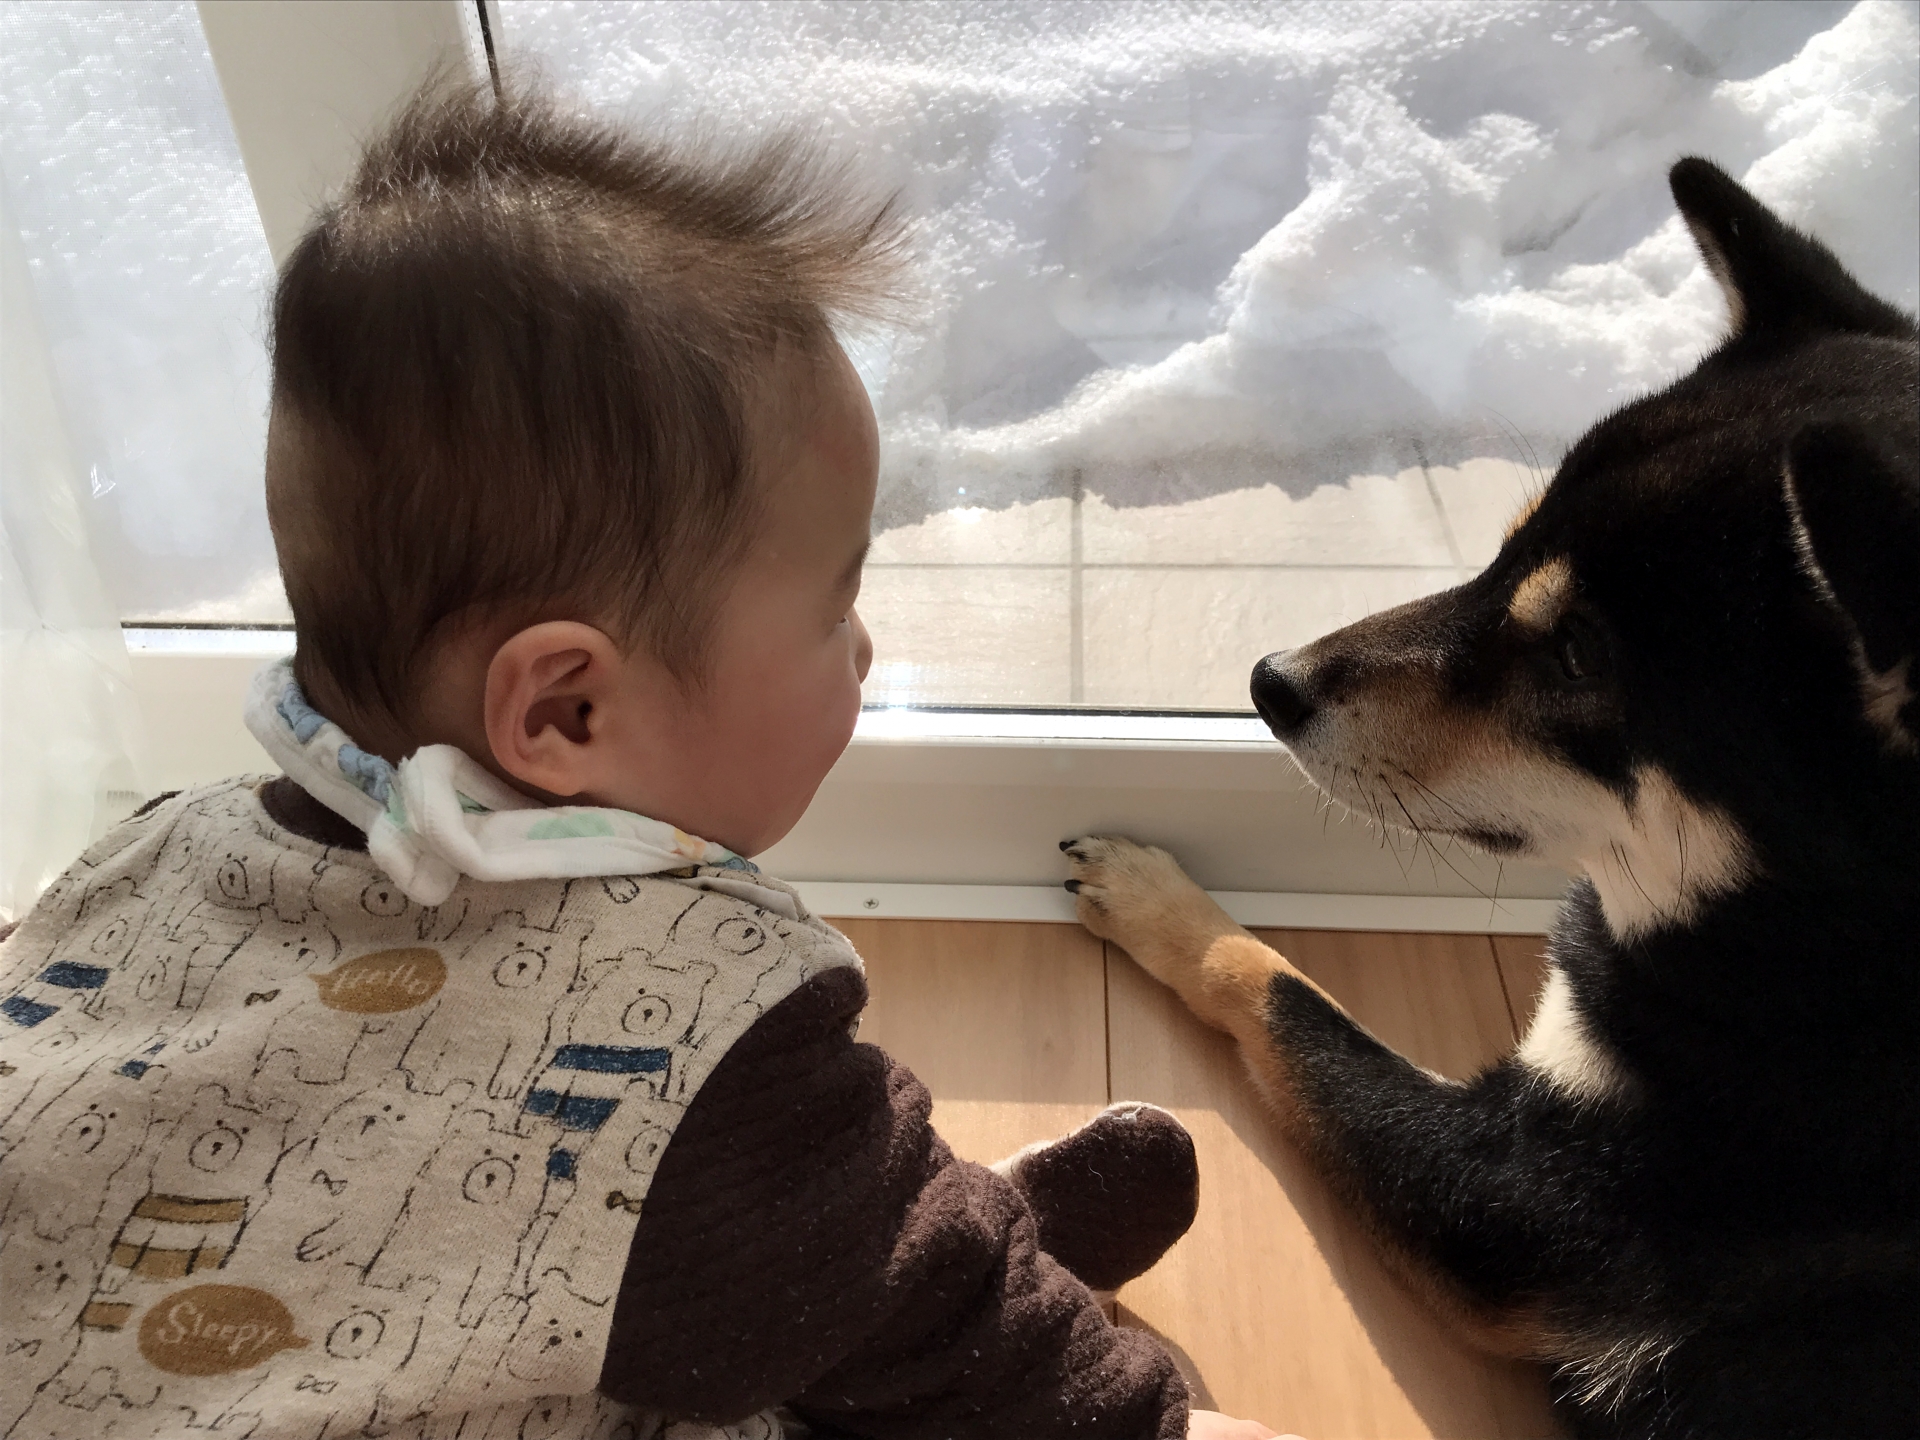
x=378, y=732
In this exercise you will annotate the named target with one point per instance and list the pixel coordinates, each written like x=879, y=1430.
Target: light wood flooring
x=1273, y=1303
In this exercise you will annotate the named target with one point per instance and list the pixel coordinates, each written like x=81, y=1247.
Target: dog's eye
x=1579, y=651
x=1573, y=659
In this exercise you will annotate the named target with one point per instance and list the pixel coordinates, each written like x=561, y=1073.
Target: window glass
x=1244, y=319
x=150, y=275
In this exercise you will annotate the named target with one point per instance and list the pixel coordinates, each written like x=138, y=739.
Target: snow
x=1184, y=248
x=1172, y=252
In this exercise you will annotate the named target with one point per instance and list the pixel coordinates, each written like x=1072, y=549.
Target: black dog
x=1692, y=676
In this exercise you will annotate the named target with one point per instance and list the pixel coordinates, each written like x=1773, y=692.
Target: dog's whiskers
x=1421, y=835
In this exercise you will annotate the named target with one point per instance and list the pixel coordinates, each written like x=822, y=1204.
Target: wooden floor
x=1273, y=1304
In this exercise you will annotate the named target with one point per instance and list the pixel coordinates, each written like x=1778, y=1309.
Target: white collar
x=439, y=815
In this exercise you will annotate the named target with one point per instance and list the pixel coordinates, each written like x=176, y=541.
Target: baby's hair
x=515, y=369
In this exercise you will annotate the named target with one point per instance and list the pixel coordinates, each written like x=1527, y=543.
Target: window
x=1245, y=320
x=1240, y=320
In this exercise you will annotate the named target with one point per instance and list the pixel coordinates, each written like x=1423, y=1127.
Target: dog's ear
x=1856, y=507
x=1777, y=281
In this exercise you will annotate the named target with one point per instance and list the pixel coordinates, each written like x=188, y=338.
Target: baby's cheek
x=805, y=721
x=836, y=711
x=791, y=756
x=836, y=707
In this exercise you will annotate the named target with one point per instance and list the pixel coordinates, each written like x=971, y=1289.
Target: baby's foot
x=1112, y=1197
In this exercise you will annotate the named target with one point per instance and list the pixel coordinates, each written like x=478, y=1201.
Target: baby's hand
x=1212, y=1425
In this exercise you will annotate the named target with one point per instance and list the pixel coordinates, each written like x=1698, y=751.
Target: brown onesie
x=285, y=1148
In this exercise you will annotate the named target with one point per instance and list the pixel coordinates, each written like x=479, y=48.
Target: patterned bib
x=287, y=1154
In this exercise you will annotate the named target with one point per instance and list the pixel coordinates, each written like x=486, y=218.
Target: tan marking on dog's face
x=1542, y=597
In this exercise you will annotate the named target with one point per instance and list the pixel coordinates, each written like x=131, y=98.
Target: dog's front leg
x=1433, y=1167
x=1138, y=897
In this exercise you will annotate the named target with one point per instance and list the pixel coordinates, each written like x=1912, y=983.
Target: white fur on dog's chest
x=1560, y=1046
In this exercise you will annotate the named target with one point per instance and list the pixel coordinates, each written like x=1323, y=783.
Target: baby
x=467, y=1078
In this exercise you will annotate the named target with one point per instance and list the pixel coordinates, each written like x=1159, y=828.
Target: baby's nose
x=862, y=646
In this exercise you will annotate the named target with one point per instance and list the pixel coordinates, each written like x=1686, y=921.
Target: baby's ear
x=1857, y=512
x=543, y=687
x=1776, y=280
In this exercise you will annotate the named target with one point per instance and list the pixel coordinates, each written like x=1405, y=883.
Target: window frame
x=935, y=812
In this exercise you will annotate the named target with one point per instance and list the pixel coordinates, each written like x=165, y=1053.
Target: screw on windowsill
x=871, y=904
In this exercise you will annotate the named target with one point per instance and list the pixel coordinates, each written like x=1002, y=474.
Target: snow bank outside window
x=1306, y=231
x=1207, y=284
x=1259, y=285
x=150, y=276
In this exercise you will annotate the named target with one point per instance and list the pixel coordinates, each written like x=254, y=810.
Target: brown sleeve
x=809, y=1240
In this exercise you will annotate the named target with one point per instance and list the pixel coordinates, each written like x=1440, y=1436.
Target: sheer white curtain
x=135, y=398
x=69, y=727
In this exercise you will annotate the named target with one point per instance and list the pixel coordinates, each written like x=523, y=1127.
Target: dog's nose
x=1282, y=703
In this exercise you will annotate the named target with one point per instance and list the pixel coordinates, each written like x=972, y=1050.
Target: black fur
x=1745, y=1209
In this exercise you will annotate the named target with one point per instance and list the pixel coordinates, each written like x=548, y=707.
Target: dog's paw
x=1118, y=882
x=1138, y=897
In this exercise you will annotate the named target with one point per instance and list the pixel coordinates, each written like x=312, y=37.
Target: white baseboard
x=1440, y=914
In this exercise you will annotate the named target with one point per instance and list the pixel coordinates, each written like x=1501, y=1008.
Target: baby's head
x=567, y=468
